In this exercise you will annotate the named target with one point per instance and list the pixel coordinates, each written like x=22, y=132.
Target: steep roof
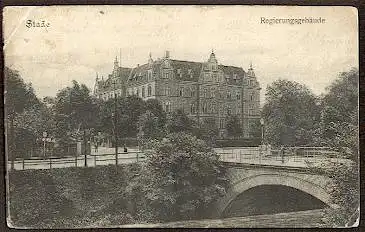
x=186, y=67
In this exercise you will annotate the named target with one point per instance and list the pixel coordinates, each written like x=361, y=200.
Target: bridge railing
x=77, y=161
x=288, y=157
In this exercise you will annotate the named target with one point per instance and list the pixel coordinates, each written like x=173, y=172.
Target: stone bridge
x=246, y=177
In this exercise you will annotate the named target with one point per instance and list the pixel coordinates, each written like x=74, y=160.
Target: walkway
x=309, y=218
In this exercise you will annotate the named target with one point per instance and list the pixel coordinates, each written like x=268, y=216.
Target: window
x=204, y=108
x=252, y=97
x=167, y=91
x=167, y=107
x=181, y=91
x=238, y=95
x=166, y=75
x=137, y=93
x=215, y=77
x=221, y=123
x=192, y=92
x=149, y=75
x=205, y=93
x=143, y=91
x=213, y=92
x=149, y=91
x=229, y=110
x=213, y=108
x=192, y=108
x=229, y=96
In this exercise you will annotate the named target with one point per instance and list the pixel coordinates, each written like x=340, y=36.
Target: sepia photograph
x=181, y=116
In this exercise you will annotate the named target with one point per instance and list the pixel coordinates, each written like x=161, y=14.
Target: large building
x=201, y=89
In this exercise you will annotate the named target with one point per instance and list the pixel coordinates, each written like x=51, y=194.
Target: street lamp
x=115, y=123
x=44, y=143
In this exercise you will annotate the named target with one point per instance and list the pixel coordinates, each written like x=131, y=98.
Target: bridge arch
x=247, y=183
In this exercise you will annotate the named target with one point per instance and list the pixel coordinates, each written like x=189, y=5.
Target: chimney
x=167, y=54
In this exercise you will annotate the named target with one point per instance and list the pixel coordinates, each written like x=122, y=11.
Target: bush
x=180, y=179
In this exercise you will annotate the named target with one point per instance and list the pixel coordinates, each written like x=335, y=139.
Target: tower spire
x=251, y=73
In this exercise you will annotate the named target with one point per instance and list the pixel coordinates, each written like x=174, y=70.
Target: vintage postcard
x=181, y=116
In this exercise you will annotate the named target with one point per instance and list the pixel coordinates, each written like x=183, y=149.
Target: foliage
x=134, y=116
x=26, y=116
x=19, y=96
x=178, y=121
x=291, y=114
x=149, y=127
x=207, y=131
x=69, y=197
x=179, y=180
x=75, y=109
x=339, y=117
x=233, y=126
x=339, y=130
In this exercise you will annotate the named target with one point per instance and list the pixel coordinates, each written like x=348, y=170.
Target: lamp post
x=44, y=144
x=115, y=123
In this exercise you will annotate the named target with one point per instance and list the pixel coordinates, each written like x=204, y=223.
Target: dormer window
x=190, y=72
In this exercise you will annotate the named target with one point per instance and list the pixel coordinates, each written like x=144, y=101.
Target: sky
x=84, y=40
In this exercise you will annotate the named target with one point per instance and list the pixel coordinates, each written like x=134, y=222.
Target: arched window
x=167, y=107
x=192, y=92
x=149, y=91
x=238, y=95
x=205, y=93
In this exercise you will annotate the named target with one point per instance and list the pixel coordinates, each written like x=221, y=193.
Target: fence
x=289, y=157
x=76, y=161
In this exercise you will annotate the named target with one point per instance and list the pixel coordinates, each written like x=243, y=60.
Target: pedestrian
x=282, y=154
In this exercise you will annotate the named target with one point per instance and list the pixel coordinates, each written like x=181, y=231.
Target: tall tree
x=339, y=117
x=75, y=111
x=291, y=114
x=127, y=110
x=340, y=129
x=19, y=97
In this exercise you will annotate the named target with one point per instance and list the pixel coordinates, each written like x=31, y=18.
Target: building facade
x=200, y=89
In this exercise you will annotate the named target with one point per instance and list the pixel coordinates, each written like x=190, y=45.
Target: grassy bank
x=69, y=197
